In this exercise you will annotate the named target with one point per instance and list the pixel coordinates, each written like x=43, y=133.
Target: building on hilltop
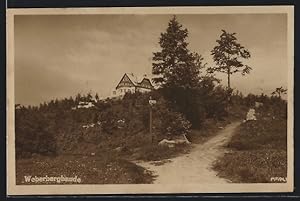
x=129, y=83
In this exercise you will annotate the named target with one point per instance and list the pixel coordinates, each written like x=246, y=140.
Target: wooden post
x=150, y=124
x=151, y=103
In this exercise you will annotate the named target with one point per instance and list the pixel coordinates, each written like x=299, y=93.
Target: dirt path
x=194, y=167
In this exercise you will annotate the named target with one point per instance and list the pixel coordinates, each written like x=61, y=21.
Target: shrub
x=57, y=128
x=33, y=135
x=168, y=123
x=206, y=100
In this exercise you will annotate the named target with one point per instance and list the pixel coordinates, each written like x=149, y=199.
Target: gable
x=125, y=82
x=145, y=83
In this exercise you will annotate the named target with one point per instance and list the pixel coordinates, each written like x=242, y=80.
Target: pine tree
x=97, y=97
x=178, y=72
x=279, y=92
x=175, y=65
x=227, y=55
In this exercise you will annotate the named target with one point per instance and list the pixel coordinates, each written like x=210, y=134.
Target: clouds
x=58, y=56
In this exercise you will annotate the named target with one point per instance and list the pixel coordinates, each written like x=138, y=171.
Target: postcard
x=139, y=100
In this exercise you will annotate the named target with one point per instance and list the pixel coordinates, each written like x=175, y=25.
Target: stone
x=258, y=104
x=118, y=149
x=166, y=142
x=251, y=115
x=186, y=140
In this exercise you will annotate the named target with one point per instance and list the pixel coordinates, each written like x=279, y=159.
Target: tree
x=175, y=65
x=97, y=97
x=89, y=96
x=279, y=91
x=227, y=55
x=178, y=71
x=78, y=98
x=179, y=74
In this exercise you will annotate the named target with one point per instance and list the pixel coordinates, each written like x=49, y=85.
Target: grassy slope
x=109, y=165
x=258, y=152
x=118, y=147
x=90, y=169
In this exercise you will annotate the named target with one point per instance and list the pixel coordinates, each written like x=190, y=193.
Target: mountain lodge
x=131, y=84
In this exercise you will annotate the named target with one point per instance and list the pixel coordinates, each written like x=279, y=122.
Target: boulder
x=182, y=140
x=251, y=115
x=118, y=149
x=172, y=143
x=168, y=143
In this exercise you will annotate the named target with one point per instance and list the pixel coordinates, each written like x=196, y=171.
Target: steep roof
x=145, y=81
x=136, y=80
x=133, y=78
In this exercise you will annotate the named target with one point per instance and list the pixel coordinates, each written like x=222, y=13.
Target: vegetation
x=175, y=65
x=75, y=139
x=279, y=91
x=259, y=148
x=120, y=131
x=227, y=55
x=90, y=169
x=179, y=73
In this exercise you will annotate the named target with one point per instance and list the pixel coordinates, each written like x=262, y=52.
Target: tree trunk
x=228, y=79
x=228, y=89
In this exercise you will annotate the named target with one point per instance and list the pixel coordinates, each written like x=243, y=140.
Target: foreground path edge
x=196, y=166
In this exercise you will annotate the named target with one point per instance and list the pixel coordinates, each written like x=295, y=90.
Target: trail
x=194, y=167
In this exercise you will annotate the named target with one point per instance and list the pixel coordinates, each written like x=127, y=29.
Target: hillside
x=258, y=149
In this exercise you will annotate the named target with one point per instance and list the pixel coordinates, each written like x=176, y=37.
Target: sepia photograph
x=150, y=100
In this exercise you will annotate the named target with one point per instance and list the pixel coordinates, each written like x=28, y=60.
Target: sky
x=58, y=56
